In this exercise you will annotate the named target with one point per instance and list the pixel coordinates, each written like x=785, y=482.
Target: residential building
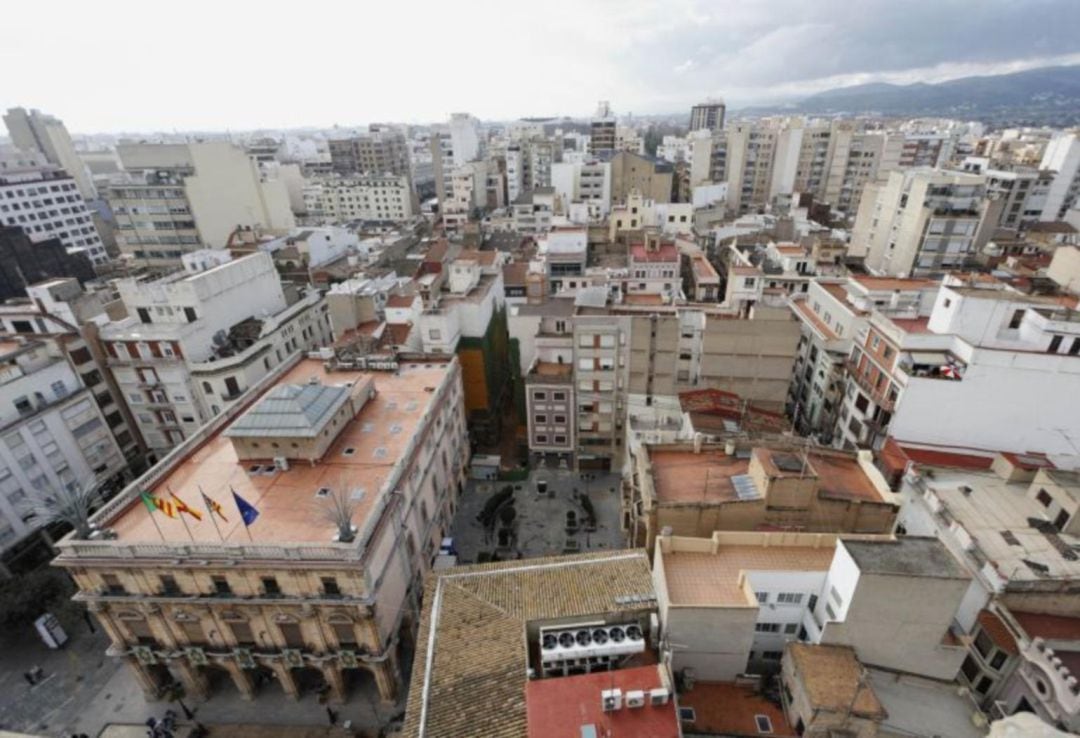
x=976, y=342
x=587, y=181
x=464, y=138
x=46, y=203
x=379, y=152
x=36, y=131
x=654, y=265
x=602, y=130
x=1062, y=157
x=195, y=341
x=24, y=262
x=469, y=187
x=179, y=198
x=293, y=592
x=638, y=213
x=695, y=488
x=532, y=210
x=527, y=679
x=923, y=221
x=376, y=198
x=708, y=115
x=631, y=172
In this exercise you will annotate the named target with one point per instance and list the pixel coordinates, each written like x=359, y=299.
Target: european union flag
x=248, y=513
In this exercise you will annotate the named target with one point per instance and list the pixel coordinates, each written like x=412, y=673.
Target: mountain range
x=1048, y=95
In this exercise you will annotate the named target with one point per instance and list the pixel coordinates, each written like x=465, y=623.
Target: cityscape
x=753, y=413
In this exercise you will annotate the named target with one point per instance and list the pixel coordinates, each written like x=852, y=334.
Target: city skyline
x=354, y=69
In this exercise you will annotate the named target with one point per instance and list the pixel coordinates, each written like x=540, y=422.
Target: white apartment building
x=922, y=221
x=55, y=438
x=36, y=131
x=468, y=193
x=587, y=182
x=46, y=203
x=1062, y=157
x=464, y=138
x=379, y=198
x=986, y=369
x=194, y=342
x=177, y=198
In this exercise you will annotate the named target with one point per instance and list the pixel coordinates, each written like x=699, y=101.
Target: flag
x=182, y=506
x=248, y=513
x=165, y=506
x=214, y=506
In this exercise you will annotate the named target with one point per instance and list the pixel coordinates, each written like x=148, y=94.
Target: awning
x=931, y=358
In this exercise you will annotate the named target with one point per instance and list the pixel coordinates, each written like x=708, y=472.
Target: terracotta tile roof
x=892, y=283
x=998, y=632
x=643, y=299
x=1048, y=627
x=514, y=273
x=471, y=649
x=400, y=301
x=487, y=258
x=830, y=676
x=724, y=708
x=666, y=252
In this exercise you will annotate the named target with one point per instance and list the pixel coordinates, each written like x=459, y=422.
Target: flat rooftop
x=724, y=708
x=917, y=706
x=289, y=511
x=685, y=477
x=562, y=707
x=831, y=676
x=712, y=579
x=806, y=313
x=909, y=556
x=893, y=284
x=998, y=516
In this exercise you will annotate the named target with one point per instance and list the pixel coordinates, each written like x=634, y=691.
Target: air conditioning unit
x=635, y=698
x=281, y=463
x=659, y=696
x=590, y=641
x=611, y=699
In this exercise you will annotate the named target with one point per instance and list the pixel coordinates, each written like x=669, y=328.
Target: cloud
x=275, y=64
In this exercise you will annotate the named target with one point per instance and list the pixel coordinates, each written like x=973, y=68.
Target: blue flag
x=248, y=513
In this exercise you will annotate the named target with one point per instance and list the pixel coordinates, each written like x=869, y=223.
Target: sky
x=125, y=66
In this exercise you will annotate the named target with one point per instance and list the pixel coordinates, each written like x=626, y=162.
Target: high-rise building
x=37, y=131
x=708, y=115
x=378, y=152
x=464, y=138
x=179, y=198
x=1063, y=158
x=602, y=129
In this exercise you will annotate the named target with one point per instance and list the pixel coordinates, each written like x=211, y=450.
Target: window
x=1055, y=344
x=1016, y=319
x=330, y=587
x=169, y=587
x=998, y=661
x=772, y=655
x=557, y=396
x=1044, y=498
x=540, y=419
x=539, y=395
x=764, y=725
x=790, y=598
x=435, y=334
x=791, y=628
x=113, y=585
x=767, y=627
x=762, y=597
x=221, y=585
x=270, y=586
x=687, y=714
x=541, y=438
x=189, y=314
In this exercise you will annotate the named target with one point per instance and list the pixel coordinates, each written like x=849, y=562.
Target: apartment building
x=631, y=172
x=46, y=203
x=380, y=151
x=376, y=198
x=750, y=156
x=1062, y=157
x=533, y=210
x=587, y=182
x=179, y=198
x=922, y=221
x=734, y=601
x=525, y=683
x=465, y=139
x=695, y=488
x=290, y=601
x=1022, y=191
x=57, y=438
x=36, y=131
x=708, y=115
x=602, y=130
x=654, y=264
x=195, y=341
x=467, y=194
x=977, y=342
x=638, y=213
x=832, y=314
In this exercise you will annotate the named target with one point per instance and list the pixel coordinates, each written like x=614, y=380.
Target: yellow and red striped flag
x=182, y=506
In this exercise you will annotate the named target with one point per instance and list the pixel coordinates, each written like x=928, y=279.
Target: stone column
x=285, y=678
x=147, y=681
x=195, y=682
x=241, y=678
x=332, y=674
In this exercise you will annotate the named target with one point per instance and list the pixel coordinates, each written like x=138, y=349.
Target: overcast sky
x=121, y=65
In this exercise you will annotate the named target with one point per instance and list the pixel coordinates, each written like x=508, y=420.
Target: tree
x=340, y=511
x=72, y=504
x=29, y=595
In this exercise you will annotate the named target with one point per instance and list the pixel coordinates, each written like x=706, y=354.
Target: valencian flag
x=248, y=513
x=182, y=507
x=214, y=506
x=153, y=503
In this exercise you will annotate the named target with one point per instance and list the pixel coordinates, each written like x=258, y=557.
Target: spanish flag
x=214, y=506
x=182, y=506
x=153, y=504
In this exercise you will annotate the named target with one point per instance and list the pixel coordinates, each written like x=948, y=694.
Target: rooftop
x=289, y=510
x=663, y=253
x=923, y=707
x=291, y=411
x=804, y=312
x=909, y=556
x=1048, y=627
x=724, y=708
x=705, y=579
x=833, y=679
x=563, y=707
x=893, y=284
x=472, y=648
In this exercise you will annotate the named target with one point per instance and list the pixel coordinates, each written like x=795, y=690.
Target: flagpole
x=154, y=521
x=180, y=514
x=241, y=514
x=210, y=512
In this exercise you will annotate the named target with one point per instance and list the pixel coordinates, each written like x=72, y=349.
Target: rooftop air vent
x=322, y=492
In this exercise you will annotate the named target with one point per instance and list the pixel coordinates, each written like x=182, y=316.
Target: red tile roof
x=558, y=707
x=666, y=252
x=400, y=301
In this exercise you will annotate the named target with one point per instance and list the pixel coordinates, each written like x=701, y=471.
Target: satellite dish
x=220, y=338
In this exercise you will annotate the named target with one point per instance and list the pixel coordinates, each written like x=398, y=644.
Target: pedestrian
x=331, y=715
x=29, y=678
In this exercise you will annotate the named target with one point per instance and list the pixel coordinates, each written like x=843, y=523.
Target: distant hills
x=1048, y=95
